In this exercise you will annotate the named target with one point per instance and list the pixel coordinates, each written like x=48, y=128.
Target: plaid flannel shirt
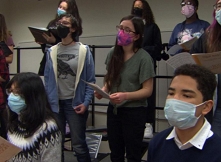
x=4, y=73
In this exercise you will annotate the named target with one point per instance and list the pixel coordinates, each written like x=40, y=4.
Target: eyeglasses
x=126, y=30
x=185, y=3
x=65, y=23
x=217, y=6
x=14, y=91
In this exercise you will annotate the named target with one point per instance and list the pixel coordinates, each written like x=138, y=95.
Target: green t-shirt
x=136, y=70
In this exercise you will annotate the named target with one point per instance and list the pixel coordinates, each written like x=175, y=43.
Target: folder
x=38, y=33
x=5, y=49
x=7, y=150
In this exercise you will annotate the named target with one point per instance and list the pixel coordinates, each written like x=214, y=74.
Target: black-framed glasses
x=14, y=91
x=126, y=30
x=217, y=6
x=185, y=3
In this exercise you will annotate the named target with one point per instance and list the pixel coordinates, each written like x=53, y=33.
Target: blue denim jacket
x=85, y=71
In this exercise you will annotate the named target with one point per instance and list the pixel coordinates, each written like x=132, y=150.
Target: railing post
x=18, y=59
x=93, y=100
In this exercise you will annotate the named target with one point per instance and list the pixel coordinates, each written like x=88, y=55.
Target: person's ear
x=72, y=30
x=196, y=8
x=136, y=37
x=207, y=107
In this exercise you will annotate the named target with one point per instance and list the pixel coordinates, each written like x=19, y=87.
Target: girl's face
x=128, y=27
x=217, y=6
x=138, y=4
x=63, y=6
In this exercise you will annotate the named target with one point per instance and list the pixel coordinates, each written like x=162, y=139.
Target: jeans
x=216, y=125
x=125, y=133
x=77, y=125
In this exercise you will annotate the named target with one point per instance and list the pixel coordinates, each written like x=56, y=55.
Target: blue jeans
x=216, y=125
x=125, y=133
x=77, y=125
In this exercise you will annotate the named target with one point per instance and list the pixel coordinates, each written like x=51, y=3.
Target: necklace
x=67, y=43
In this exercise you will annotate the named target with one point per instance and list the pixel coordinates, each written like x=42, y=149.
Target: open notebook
x=211, y=61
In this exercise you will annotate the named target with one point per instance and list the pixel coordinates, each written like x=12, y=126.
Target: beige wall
x=99, y=20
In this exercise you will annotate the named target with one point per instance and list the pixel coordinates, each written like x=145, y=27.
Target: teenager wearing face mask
x=189, y=99
x=129, y=80
x=152, y=38
x=68, y=63
x=31, y=124
x=191, y=27
x=210, y=42
x=64, y=6
x=151, y=43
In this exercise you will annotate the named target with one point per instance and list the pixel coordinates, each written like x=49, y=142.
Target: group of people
x=38, y=113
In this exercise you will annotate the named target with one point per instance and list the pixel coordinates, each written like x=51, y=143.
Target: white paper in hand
x=97, y=89
x=180, y=59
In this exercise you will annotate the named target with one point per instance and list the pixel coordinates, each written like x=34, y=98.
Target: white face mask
x=218, y=16
x=187, y=10
x=181, y=114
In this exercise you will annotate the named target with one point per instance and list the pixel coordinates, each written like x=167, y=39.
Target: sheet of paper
x=98, y=89
x=188, y=44
x=7, y=150
x=173, y=50
x=211, y=61
x=180, y=59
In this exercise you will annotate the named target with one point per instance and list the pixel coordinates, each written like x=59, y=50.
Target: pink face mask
x=188, y=10
x=124, y=39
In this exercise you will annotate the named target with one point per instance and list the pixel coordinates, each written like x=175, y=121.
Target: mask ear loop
x=198, y=106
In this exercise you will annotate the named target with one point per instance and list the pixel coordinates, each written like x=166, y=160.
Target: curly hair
x=206, y=80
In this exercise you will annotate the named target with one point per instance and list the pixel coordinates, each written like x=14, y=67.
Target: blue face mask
x=60, y=12
x=218, y=16
x=181, y=114
x=16, y=103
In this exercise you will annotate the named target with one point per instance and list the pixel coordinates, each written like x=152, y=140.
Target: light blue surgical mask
x=16, y=103
x=60, y=12
x=218, y=16
x=181, y=114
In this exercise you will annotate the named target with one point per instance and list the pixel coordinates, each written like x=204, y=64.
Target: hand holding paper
x=98, y=89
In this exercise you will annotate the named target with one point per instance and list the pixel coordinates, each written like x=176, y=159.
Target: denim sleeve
x=90, y=77
x=50, y=83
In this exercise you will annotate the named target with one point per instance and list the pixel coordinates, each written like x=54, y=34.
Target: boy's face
x=184, y=88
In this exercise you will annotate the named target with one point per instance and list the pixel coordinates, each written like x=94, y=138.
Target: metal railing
x=93, y=51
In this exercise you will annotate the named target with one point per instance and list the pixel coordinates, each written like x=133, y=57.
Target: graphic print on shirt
x=187, y=34
x=64, y=67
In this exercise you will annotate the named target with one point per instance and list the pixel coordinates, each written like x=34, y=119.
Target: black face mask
x=63, y=31
x=138, y=12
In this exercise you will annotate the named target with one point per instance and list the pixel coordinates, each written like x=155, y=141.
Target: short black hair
x=206, y=80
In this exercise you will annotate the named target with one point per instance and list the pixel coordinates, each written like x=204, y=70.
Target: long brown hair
x=73, y=10
x=116, y=63
x=147, y=12
x=3, y=29
x=213, y=34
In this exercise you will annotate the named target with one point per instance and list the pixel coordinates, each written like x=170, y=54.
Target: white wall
x=99, y=17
